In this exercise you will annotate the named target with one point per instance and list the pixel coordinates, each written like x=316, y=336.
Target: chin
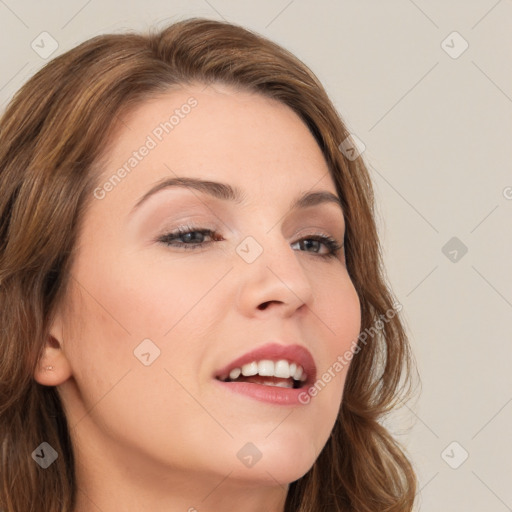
x=270, y=473
x=283, y=458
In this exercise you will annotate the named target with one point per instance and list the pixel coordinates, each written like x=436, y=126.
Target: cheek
x=339, y=323
x=338, y=311
x=138, y=404
x=138, y=313
x=157, y=299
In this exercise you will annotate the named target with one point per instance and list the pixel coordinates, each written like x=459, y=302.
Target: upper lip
x=274, y=352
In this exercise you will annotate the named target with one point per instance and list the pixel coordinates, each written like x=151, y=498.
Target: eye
x=192, y=237
x=332, y=245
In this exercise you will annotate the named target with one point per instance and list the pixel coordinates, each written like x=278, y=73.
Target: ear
x=53, y=367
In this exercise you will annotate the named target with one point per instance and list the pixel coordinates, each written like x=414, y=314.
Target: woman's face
x=158, y=320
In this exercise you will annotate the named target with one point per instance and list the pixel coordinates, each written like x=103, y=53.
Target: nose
x=274, y=281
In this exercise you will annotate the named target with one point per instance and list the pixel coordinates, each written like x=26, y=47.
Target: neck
x=131, y=490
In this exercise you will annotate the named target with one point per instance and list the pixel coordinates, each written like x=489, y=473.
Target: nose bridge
x=271, y=271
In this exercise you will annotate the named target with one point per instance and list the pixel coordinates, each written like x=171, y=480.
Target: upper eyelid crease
x=226, y=192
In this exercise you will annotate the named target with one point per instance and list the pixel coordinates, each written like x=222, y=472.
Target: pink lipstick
x=274, y=373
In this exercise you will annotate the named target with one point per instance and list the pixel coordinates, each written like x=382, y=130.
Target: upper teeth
x=266, y=368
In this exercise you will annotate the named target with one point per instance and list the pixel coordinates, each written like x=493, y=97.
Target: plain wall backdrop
x=426, y=86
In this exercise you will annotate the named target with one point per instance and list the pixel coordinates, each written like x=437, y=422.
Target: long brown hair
x=51, y=135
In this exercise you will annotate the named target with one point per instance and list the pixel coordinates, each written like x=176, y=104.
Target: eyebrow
x=227, y=192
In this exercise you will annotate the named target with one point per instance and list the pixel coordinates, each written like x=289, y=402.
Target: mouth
x=280, y=373
x=273, y=373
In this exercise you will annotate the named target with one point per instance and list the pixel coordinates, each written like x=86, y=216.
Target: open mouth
x=276, y=373
x=280, y=373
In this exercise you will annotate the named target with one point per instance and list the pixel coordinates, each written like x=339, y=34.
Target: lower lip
x=270, y=394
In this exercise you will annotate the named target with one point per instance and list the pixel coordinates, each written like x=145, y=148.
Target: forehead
x=251, y=141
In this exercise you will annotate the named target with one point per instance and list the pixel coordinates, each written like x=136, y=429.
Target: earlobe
x=53, y=367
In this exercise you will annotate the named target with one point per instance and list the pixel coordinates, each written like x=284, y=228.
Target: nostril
x=264, y=305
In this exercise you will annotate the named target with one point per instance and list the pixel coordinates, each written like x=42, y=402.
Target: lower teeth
x=274, y=382
x=277, y=384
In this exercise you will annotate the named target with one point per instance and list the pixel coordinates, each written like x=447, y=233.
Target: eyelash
x=331, y=243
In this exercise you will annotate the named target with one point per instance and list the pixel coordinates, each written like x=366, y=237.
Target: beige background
x=436, y=122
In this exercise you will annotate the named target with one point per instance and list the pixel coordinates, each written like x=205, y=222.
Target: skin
x=166, y=436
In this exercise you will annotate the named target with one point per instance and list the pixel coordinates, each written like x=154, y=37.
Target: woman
x=194, y=315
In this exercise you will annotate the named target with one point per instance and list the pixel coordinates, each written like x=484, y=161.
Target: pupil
x=188, y=236
x=310, y=242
